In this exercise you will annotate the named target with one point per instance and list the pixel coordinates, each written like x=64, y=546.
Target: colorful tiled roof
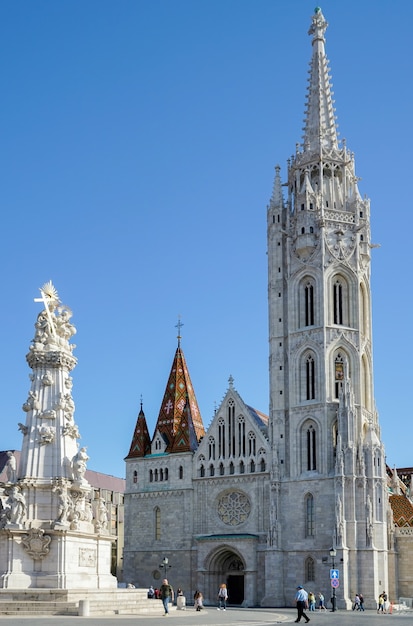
x=179, y=416
x=141, y=441
x=402, y=510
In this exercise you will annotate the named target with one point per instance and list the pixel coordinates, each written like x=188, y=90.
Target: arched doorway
x=227, y=566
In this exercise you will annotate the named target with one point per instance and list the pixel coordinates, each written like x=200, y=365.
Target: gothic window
x=158, y=444
x=231, y=428
x=311, y=449
x=309, y=569
x=211, y=470
x=241, y=436
x=157, y=524
x=309, y=517
x=252, y=466
x=156, y=475
x=241, y=467
x=262, y=465
x=310, y=378
x=202, y=471
x=221, y=469
x=231, y=468
x=306, y=305
x=338, y=374
x=166, y=473
x=303, y=230
x=151, y=476
x=338, y=302
x=135, y=476
x=211, y=448
x=221, y=439
x=251, y=444
x=181, y=472
x=161, y=474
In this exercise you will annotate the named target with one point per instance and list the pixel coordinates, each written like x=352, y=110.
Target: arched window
x=202, y=471
x=309, y=516
x=221, y=469
x=135, y=476
x=156, y=475
x=311, y=448
x=241, y=436
x=309, y=304
x=231, y=468
x=157, y=524
x=221, y=439
x=338, y=302
x=231, y=428
x=338, y=374
x=262, y=465
x=181, y=472
x=306, y=304
x=211, y=470
x=241, y=467
x=251, y=444
x=252, y=466
x=151, y=476
x=161, y=474
x=310, y=378
x=309, y=570
x=211, y=448
x=166, y=473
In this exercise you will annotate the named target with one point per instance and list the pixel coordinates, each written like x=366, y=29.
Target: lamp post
x=333, y=555
x=165, y=565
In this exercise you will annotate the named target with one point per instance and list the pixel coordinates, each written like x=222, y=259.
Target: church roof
x=141, y=441
x=402, y=510
x=179, y=419
x=320, y=130
x=260, y=418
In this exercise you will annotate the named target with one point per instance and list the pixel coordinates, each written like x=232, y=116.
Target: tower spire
x=320, y=130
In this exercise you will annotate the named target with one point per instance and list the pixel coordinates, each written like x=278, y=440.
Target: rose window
x=234, y=508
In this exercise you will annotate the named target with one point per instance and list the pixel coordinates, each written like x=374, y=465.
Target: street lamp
x=333, y=555
x=165, y=565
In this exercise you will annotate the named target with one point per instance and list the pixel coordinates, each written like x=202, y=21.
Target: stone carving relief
x=47, y=379
x=71, y=430
x=32, y=402
x=14, y=513
x=53, y=329
x=46, y=434
x=23, y=428
x=234, y=508
x=36, y=543
x=87, y=557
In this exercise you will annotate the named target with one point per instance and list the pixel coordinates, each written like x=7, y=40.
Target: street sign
x=334, y=574
x=335, y=583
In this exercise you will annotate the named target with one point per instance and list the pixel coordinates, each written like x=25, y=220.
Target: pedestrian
x=361, y=601
x=222, y=597
x=301, y=599
x=198, y=600
x=385, y=602
x=356, y=605
x=380, y=607
x=311, y=601
x=166, y=593
x=151, y=592
x=321, y=605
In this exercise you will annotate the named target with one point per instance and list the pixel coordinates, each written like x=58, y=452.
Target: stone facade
x=258, y=502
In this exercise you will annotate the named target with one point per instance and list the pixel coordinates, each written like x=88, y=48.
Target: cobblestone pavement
x=211, y=617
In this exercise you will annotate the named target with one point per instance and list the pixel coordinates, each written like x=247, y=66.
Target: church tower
x=328, y=479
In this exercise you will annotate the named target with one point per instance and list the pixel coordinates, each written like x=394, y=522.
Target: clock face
x=340, y=242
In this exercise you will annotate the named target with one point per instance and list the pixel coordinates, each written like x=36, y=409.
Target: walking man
x=301, y=599
x=167, y=595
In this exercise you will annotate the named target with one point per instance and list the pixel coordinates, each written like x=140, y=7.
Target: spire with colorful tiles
x=141, y=441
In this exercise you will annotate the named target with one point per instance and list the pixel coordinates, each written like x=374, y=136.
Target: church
x=264, y=502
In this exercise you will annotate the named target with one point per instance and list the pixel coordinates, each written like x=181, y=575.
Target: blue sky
x=139, y=139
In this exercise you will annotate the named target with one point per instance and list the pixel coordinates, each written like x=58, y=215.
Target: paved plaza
x=210, y=616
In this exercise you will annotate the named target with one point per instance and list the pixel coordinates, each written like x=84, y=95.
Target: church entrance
x=226, y=566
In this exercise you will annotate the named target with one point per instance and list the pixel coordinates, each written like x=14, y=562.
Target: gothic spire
x=141, y=441
x=320, y=130
x=179, y=394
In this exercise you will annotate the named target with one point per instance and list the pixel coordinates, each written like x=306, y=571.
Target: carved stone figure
x=17, y=506
x=62, y=505
x=102, y=517
x=47, y=379
x=32, y=402
x=23, y=428
x=79, y=465
x=11, y=468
